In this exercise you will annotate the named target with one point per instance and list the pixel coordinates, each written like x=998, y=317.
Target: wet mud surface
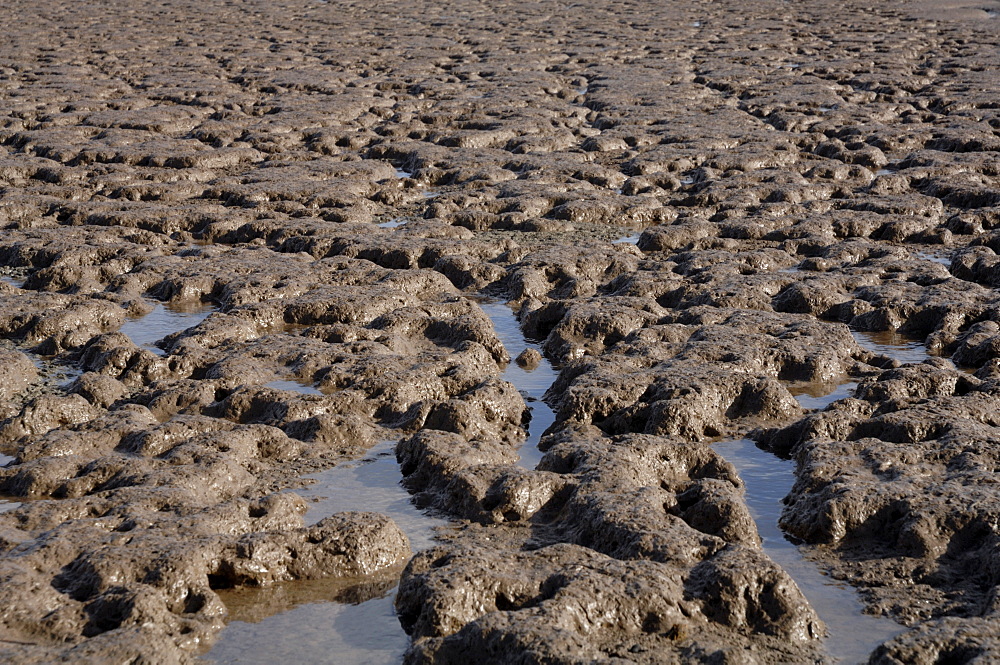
x=529, y=332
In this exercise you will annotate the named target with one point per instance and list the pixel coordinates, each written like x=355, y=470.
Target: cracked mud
x=312, y=308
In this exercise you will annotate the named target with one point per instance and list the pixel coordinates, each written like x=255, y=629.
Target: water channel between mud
x=768, y=479
x=355, y=619
x=531, y=383
x=14, y=280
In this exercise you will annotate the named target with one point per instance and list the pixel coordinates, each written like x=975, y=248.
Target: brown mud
x=423, y=323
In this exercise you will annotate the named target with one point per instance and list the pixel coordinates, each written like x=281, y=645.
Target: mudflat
x=459, y=307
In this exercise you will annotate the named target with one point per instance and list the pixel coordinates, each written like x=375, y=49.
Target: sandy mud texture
x=690, y=206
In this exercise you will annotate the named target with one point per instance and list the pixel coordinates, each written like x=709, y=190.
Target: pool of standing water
x=353, y=619
x=145, y=331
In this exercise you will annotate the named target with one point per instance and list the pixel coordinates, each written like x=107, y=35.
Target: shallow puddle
x=892, y=344
x=295, y=387
x=7, y=504
x=820, y=395
x=927, y=256
x=322, y=621
x=852, y=634
x=403, y=173
x=532, y=384
x=395, y=223
x=164, y=320
x=16, y=282
x=632, y=239
x=309, y=627
x=54, y=377
x=370, y=484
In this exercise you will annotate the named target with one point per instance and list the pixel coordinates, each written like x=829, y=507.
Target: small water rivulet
x=768, y=479
x=531, y=383
x=354, y=619
x=164, y=320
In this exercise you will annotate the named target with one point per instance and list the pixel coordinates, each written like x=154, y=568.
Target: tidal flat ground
x=511, y=332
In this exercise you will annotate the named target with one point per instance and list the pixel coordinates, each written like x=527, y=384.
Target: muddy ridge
x=314, y=304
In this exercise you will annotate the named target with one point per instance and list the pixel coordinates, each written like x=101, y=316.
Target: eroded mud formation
x=691, y=207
